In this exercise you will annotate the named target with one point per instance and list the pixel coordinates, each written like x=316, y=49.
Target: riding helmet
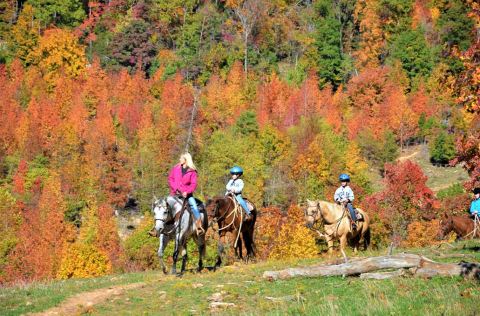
x=236, y=170
x=476, y=191
x=344, y=177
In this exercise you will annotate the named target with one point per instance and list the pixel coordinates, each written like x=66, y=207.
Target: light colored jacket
x=235, y=185
x=343, y=193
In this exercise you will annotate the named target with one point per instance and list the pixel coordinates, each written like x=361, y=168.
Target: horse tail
x=366, y=239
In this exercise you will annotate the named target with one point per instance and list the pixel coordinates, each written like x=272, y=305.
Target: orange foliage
x=422, y=234
x=372, y=36
x=272, y=99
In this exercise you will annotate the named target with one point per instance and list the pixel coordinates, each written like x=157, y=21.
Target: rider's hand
x=184, y=194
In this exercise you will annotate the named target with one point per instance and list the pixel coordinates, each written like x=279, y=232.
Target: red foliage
x=405, y=199
x=107, y=236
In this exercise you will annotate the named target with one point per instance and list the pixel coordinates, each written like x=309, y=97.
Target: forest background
x=99, y=98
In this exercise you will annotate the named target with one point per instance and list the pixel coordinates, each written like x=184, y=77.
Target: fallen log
x=417, y=265
x=383, y=275
x=357, y=267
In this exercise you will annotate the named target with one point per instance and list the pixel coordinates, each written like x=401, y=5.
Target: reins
x=234, y=212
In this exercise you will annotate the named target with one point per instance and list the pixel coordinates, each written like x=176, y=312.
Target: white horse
x=174, y=221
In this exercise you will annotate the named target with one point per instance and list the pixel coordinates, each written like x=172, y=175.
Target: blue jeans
x=352, y=212
x=194, y=207
x=242, y=202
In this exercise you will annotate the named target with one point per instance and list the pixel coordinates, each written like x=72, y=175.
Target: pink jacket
x=182, y=183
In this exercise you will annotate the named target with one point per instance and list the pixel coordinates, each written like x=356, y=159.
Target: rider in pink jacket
x=183, y=181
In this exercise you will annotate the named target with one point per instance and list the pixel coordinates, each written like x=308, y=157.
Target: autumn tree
x=405, y=198
x=58, y=50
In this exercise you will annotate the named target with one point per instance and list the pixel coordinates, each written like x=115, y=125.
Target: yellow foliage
x=83, y=261
x=294, y=239
x=58, y=50
x=24, y=35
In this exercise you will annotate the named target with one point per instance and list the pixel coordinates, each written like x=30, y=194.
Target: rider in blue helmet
x=344, y=195
x=235, y=186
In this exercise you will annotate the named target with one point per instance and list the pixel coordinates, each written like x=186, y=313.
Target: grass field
x=243, y=285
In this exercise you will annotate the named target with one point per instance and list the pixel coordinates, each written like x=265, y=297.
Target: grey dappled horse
x=172, y=222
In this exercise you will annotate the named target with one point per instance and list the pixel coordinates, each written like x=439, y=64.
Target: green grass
x=243, y=285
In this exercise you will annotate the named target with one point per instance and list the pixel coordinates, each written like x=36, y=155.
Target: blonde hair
x=189, y=160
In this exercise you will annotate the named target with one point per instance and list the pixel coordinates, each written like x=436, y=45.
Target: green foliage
x=380, y=151
x=68, y=13
x=442, y=149
x=38, y=170
x=412, y=50
x=454, y=25
x=226, y=149
x=141, y=249
x=247, y=124
x=426, y=126
x=330, y=61
x=455, y=189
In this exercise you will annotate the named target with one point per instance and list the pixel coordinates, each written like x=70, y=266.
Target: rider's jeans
x=352, y=211
x=242, y=202
x=193, y=205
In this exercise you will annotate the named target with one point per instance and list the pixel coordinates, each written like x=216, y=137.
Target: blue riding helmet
x=236, y=170
x=344, y=177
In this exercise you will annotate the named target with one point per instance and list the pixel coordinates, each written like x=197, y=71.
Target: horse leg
x=248, y=244
x=184, y=259
x=366, y=239
x=343, y=244
x=175, y=253
x=163, y=244
x=238, y=246
x=220, y=249
x=201, y=251
x=329, y=240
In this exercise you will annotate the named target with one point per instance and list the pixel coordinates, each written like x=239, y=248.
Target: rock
x=197, y=285
x=216, y=297
x=218, y=305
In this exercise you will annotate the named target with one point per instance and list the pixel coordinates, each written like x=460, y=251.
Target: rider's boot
x=354, y=225
x=153, y=232
x=199, y=226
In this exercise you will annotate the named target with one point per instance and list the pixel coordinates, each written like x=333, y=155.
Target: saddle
x=238, y=206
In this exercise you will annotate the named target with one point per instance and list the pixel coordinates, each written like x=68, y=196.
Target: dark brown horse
x=463, y=226
x=231, y=219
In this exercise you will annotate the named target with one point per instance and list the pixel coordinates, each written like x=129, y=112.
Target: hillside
x=439, y=177
x=151, y=292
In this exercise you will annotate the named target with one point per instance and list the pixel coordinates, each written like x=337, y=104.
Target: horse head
x=162, y=213
x=446, y=226
x=312, y=213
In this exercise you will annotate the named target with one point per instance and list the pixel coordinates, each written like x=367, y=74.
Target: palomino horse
x=230, y=218
x=177, y=223
x=337, y=224
x=463, y=227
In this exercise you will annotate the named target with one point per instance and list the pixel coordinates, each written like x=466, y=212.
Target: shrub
x=421, y=234
x=83, y=261
x=294, y=239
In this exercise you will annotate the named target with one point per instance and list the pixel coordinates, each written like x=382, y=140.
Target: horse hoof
x=179, y=275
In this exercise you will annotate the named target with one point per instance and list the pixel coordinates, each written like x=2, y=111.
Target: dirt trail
x=403, y=158
x=82, y=302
